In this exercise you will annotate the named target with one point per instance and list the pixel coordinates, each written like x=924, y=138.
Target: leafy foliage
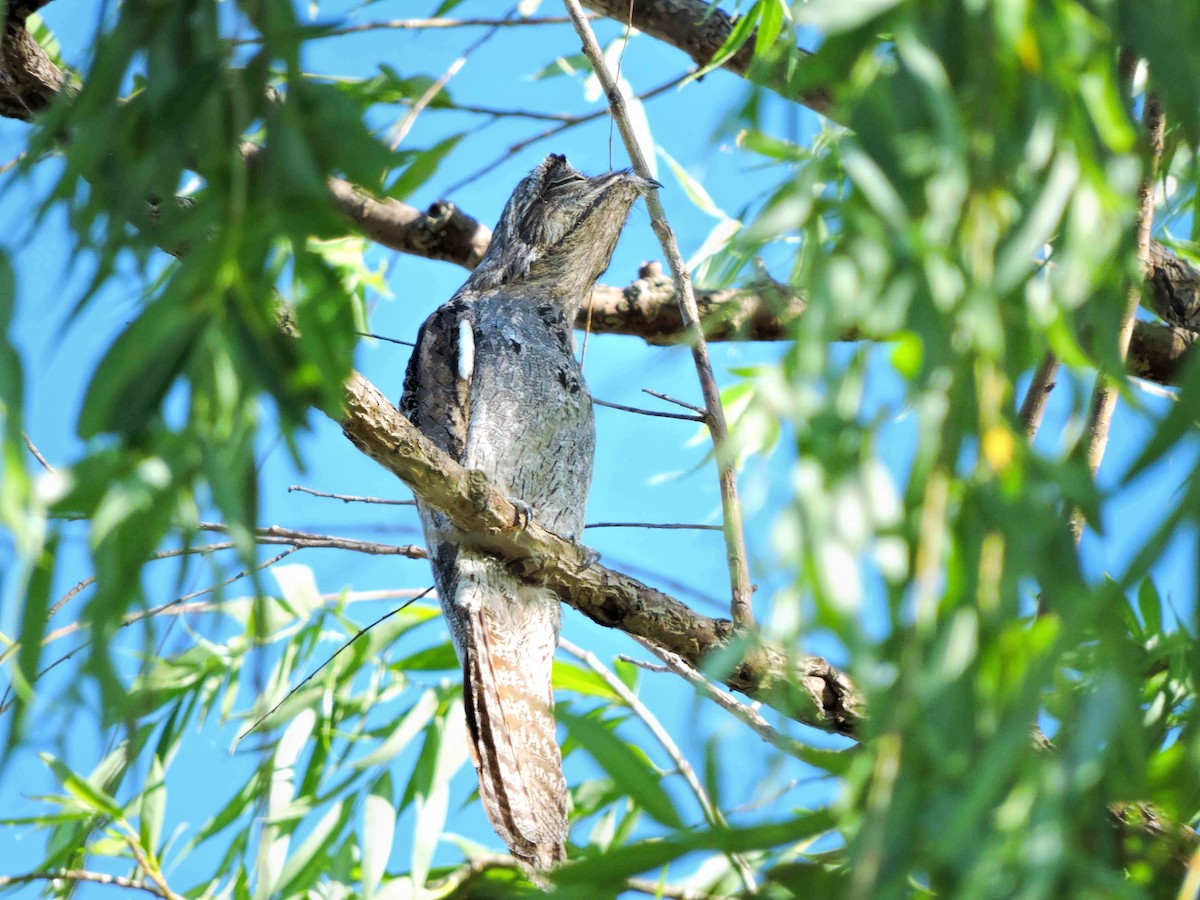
x=969, y=208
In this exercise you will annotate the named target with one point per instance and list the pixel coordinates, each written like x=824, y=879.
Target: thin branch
x=712, y=815
x=83, y=876
x=132, y=618
x=643, y=664
x=336, y=654
x=152, y=871
x=670, y=891
x=12, y=163
x=1033, y=407
x=427, y=24
x=669, y=399
x=648, y=412
x=162, y=554
x=567, y=123
x=390, y=340
x=205, y=606
x=410, y=117
x=498, y=113
x=276, y=534
x=680, y=526
x=1107, y=386
x=36, y=454
x=727, y=701
x=350, y=498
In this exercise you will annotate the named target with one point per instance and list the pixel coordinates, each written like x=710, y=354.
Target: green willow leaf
x=629, y=770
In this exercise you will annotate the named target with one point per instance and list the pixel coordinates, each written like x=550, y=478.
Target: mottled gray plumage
x=494, y=382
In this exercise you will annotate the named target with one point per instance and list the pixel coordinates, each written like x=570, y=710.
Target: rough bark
x=699, y=29
x=827, y=700
x=441, y=232
x=646, y=308
x=28, y=79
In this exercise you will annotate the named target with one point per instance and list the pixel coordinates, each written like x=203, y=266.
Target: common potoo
x=494, y=381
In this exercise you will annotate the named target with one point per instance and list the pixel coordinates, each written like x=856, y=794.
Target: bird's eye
x=563, y=182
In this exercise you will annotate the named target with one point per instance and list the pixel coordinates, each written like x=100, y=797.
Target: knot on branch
x=1175, y=288
x=527, y=566
x=479, y=494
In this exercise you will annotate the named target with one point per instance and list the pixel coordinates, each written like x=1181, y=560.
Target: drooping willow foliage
x=962, y=220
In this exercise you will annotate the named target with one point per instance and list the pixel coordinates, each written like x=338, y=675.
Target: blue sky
x=647, y=469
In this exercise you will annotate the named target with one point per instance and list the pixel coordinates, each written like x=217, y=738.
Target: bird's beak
x=645, y=185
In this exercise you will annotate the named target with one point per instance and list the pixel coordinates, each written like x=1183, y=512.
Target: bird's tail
x=510, y=720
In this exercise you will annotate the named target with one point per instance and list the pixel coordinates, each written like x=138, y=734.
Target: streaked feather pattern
x=494, y=382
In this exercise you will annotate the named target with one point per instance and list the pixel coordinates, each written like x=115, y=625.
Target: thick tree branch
x=29, y=80
x=699, y=29
x=646, y=308
x=808, y=690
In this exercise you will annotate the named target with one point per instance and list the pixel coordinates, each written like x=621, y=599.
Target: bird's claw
x=524, y=513
x=590, y=556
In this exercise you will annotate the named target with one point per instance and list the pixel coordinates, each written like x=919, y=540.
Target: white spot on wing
x=466, y=349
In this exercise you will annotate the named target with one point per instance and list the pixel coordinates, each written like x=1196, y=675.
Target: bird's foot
x=524, y=513
x=590, y=555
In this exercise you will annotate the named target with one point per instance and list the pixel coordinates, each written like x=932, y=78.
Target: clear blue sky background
x=634, y=453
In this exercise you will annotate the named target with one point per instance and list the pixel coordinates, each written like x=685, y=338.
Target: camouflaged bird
x=494, y=382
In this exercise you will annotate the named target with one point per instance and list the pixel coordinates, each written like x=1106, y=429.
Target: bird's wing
x=437, y=385
x=505, y=632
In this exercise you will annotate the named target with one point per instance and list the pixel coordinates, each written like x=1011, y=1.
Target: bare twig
x=205, y=606
x=648, y=412
x=711, y=814
x=132, y=618
x=735, y=541
x=679, y=526
x=350, y=498
x=643, y=664
x=276, y=534
x=726, y=701
x=456, y=883
x=335, y=655
x=498, y=113
x=83, y=876
x=1034, y=405
x=669, y=399
x=152, y=871
x=1104, y=393
x=36, y=454
x=569, y=122
x=390, y=340
x=162, y=554
x=670, y=891
x=428, y=24
x=12, y=164
x=410, y=117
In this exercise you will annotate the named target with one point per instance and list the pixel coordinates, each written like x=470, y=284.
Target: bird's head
x=559, y=226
